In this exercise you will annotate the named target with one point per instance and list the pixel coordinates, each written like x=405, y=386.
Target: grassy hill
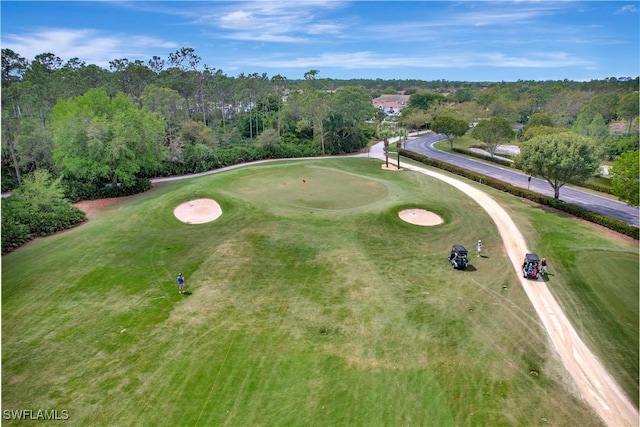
x=311, y=303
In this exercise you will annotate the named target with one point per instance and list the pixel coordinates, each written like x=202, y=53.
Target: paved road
x=629, y=214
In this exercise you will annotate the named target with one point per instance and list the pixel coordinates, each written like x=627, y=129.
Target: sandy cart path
x=598, y=388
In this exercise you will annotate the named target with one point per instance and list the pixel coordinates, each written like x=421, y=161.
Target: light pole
x=402, y=136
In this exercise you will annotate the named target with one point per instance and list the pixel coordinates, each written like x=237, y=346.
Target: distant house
x=617, y=128
x=392, y=105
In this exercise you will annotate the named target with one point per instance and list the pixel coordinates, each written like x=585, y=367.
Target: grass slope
x=311, y=304
x=593, y=273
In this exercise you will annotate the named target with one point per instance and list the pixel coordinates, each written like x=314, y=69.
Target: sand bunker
x=198, y=211
x=420, y=217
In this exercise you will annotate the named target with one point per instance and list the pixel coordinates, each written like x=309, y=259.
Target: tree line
x=97, y=132
x=166, y=116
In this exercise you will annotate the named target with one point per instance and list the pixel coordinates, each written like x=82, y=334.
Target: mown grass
x=593, y=273
x=311, y=304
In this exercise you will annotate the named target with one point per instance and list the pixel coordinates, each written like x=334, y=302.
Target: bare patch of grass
x=295, y=318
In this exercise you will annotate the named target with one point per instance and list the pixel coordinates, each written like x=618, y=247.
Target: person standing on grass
x=180, y=283
x=543, y=266
x=479, y=247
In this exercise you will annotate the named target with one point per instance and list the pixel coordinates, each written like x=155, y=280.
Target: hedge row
x=586, y=184
x=76, y=191
x=578, y=211
x=21, y=223
x=236, y=154
x=208, y=159
x=484, y=157
x=593, y=186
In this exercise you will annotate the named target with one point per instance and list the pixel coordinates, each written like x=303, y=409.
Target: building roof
x=401, y=99
x=389, y=104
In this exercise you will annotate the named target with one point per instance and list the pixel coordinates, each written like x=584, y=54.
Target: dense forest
x=92, y=132
x=173, y=115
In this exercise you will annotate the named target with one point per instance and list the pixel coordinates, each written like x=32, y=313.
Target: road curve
x=613, y=208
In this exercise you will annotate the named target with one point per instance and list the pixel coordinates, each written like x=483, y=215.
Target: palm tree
x=384, y=131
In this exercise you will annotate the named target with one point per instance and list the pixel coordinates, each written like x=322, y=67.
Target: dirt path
x=598, y=388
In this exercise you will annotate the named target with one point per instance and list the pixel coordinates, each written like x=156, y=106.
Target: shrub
x=578, y=211
x=36, y=209
x=586, y=184
x=76, y=190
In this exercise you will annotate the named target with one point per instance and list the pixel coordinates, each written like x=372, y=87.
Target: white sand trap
x=198, y=211
x=420, y=217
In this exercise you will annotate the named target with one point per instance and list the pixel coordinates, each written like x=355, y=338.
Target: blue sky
x=427, y=40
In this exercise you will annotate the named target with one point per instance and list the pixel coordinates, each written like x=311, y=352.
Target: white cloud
x=325, y=28
x=237, y=19
x=287, y=22
x=268, y=21
x=275, y=38
x=91, y=46
x=373, y=60
x=629, y=8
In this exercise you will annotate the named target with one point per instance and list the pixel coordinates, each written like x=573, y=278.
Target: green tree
x=565, y=105
x=540, y=119
x=181, y=82
x=462, y=95
x=471, y=112
x=185, y=59
x=165, y=101
x=384, y=131
x=624, y=177
x=606, y=105
x=590, y=125
x=100, y=139
x=532, y=132
x=354, y=103
x=40, y=191
x=493, y=132
x=268, y=138
x=34, y=143
x=618, y=144
x=416, y=119
x=279, y=86
x=13, y=67
x=316, y=106
x=559, y=158
x=423, y=100
x=486, y=98
x=450, y=127
x=506, y=107
x=349, y=108
x=581, y=125
x=43, y=83
x=628, y=108
x=10, y=119
x=193, y=132
x=221, y=89
x=132, y=77
x=598, y=129
x=342, y=134
x=36, y=208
